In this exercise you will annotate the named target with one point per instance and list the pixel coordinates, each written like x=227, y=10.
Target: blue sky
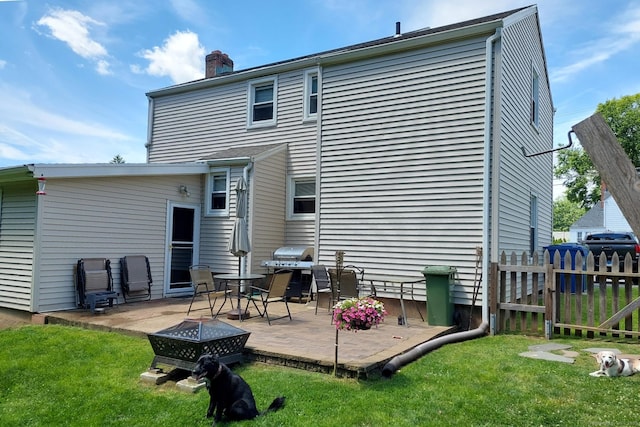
x=73, y=74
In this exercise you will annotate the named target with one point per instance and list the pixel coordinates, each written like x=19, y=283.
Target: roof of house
x=333, y=53
x=593, y=218
x=244, y=154
x=93, y=170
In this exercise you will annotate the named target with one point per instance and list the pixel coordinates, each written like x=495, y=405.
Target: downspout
x=490, y=212
x=150, y=119
x=316, y=231
x=420, y=350
x=245, y=175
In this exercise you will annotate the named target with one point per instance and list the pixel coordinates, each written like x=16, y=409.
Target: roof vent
x=398, y=28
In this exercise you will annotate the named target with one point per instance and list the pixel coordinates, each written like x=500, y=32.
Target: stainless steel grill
x=296, y=258
x=293, y=257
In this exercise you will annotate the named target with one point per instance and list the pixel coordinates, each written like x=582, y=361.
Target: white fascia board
x=89, y=170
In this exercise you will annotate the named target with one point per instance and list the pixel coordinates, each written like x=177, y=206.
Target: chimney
x=217, y=63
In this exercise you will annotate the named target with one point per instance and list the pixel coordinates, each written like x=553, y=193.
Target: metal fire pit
x=181, y=345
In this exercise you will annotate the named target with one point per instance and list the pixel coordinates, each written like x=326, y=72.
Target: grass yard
x=54, y=375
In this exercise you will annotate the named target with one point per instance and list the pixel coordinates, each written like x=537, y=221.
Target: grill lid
x=299, y=253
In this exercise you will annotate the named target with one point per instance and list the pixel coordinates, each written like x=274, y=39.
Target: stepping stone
x=570, y=353
x=549, y=347
x=545, y=355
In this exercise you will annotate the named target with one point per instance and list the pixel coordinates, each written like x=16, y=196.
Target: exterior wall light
x=184, y=191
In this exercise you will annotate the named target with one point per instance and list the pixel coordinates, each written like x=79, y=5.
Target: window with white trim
x=535, y=97
x=263, y=102
x=301, y=198
x=217, y=190
x=310, y=95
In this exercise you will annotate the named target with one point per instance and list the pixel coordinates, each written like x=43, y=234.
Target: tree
x=117, y=159
x=576, y=168
x=565, y=213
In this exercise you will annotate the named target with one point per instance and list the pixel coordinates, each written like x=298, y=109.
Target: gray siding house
x=402, y=152
x=603, y=217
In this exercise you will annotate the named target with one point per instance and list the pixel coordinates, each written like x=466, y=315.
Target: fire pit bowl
x=182, y=344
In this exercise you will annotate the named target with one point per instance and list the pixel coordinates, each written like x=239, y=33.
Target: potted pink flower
x=358, y=313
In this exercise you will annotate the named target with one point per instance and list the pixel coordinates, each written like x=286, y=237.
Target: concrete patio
x=306, y=342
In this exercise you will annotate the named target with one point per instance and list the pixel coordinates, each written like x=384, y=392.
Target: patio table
x=397, y=285
x=235, y=281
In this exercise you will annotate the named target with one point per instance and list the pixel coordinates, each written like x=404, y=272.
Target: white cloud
x=73, y=28
x=2, y=64
x=181, y=57
x=624, y=34
x=29, y=132
x=438, y=13
x=103, y=67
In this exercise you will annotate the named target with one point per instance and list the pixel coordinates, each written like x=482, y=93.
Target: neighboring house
x=602, y=217
x=403, y=152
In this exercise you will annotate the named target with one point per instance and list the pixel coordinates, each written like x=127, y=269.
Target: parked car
x=610, y=243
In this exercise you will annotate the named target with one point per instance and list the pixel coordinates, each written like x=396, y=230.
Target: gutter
x=489, y=213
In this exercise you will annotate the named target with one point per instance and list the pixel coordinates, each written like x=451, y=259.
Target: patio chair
x=135, y=277
x=94, y=283
x=323, y=285
x=349, y=286
x=204, y=284
x=276, y=292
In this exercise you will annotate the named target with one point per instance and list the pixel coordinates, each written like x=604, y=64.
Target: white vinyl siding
x=521, y=176
x=17, y=225
x=192, y=126
x=112, y=217
x=402, y=160
x=268, y=225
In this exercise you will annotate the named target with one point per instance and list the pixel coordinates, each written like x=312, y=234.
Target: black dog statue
x=229, y=395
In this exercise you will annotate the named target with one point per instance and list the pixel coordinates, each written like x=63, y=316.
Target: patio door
x=183, y=231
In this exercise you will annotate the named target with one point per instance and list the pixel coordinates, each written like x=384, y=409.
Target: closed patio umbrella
x=239, y=244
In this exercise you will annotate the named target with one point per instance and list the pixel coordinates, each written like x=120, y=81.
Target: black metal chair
x=323, y=284
x=350, y=283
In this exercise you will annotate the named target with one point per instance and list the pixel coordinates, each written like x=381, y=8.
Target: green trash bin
x=439, y=305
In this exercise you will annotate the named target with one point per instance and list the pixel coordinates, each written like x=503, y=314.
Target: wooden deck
x=306, y=342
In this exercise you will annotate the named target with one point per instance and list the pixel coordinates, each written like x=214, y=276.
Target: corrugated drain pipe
x=399, y=361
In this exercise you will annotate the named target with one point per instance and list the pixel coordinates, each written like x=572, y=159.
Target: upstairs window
x=263, y=105
x=302, y=198
x=310, y=95
x=218, y=193
x=535, y=97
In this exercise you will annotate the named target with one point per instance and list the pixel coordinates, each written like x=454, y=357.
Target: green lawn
x=54, y=376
